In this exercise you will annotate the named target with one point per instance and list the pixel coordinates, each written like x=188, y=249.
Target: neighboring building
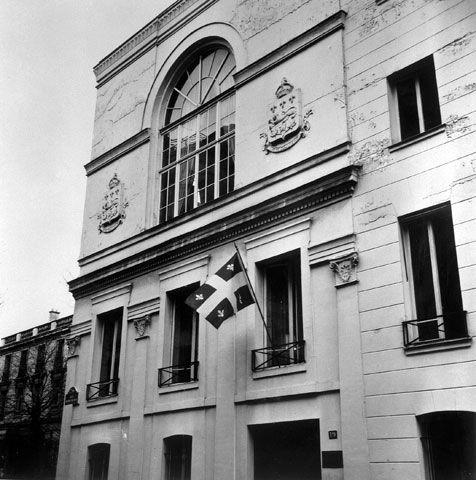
x=33, y=374
x=334, y=143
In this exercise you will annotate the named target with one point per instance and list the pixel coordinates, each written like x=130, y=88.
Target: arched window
x=198, y=137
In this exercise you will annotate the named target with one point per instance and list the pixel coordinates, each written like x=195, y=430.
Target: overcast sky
x=48, y=49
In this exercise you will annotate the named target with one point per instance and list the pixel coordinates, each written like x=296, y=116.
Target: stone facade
x=353, y=126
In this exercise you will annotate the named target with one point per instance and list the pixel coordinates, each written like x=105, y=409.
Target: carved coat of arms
x=286, y=123
x=113, y=208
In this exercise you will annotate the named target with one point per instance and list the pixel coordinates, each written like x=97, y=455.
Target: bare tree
x=34, y=404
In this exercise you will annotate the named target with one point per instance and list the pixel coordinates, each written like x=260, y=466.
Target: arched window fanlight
x=198, y=139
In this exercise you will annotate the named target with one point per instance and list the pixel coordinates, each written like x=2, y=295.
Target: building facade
x=331, y=143
x=33, y=366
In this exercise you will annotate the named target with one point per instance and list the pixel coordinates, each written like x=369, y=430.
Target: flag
x=223, y=294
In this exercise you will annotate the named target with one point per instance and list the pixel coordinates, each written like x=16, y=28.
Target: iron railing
x=97, y=390
x=449, y=326
x=187, y=372
x=278, y=356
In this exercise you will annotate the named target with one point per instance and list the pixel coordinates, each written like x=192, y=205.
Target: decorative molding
x=111, y=293
x=72, y=344
x=281, y=54
x=232, y=198
x=278, y=210
x=274, y=234
x=80, y=329
x=286, y=123
x=328, y=251
x=345, y=269
x=142, y=325
x=149, y=36
x=113, y=209
x=139, y=310
x=118, y=151
x=184, y=267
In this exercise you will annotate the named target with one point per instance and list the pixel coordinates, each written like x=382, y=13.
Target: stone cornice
x=152, y=34
x=323, y=191
x=117, y=152
x=318, y=32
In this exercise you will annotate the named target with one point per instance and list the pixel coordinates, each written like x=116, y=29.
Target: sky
x=48, y=49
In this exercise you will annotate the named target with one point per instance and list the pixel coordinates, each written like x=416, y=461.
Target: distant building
x=33, y=373
x=334, y=143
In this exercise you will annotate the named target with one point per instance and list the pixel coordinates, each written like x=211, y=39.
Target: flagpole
x=253, y=293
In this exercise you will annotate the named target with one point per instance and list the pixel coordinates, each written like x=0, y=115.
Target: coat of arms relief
x=286, y=124
x=113, y=208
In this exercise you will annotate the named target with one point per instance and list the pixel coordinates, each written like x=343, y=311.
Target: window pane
x=429, y=98
x=186, y=185
x=167, y=195
x=407, y=108
x=169, y=147
x=227, y=115
x=206, y=176
x=188, y=134
x=422, y=270
x=227, y=166
x=277, y=303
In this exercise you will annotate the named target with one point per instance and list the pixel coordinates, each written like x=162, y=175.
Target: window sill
x=177, y=387
x=438, y=346
x=96, y=402
x=417, y=138
x=278, y=371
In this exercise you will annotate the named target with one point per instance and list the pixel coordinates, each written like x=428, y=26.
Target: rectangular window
x=282, y=313
x=98, y=456
x=59, y=354
x=110, y=329
x=414, y=105
x=178, y=457
x=432, y=275
x=3, y=402
x=40, y=359
x=22, y=368
x=6, y=368
x=184, y=341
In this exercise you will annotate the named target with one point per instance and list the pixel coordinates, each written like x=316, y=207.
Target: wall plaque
x=71, y=398
x=286, y=123
x=113, y=208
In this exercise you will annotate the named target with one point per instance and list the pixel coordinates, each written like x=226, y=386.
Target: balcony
x=185, y=373
x=98, y=390
x=278, y=356
x=449, y=327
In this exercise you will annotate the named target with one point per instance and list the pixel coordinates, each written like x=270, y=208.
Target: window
x=22, y=368
x=3, y=402
x=282, y=313
x=110, y=328
x=40, y=359
x=449, y=443
x=432, y=275
x=178, y=457
x=20, y=396
x=58, y=362
x=414, y=100
x=6, y=368
x=198, y=139
x=184, y=341
x=98, y=456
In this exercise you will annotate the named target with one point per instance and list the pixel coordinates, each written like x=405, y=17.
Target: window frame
x=422, y=324
x=170, y=204
x=185, y=444
x=413, y=71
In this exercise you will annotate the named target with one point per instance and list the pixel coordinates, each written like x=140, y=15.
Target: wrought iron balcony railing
x=449, y=326
x=187, y=372
x=278, y=356
x=97, y=390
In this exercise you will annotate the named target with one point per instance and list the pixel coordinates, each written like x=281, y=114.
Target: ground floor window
x=178, y=457
x=286, y=450
x=98, y=461
x=449, y=445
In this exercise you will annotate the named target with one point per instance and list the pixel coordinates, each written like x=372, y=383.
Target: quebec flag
x=223, y=294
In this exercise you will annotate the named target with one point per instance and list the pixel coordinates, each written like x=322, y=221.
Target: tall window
x=415, y=105
x=22, y=368
x=110, y=329
x=98, y=456
x=282, y=313
x=6, y=368
x=432, y=274
x=178, y=457
x=184, y=342
x=198, y=139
